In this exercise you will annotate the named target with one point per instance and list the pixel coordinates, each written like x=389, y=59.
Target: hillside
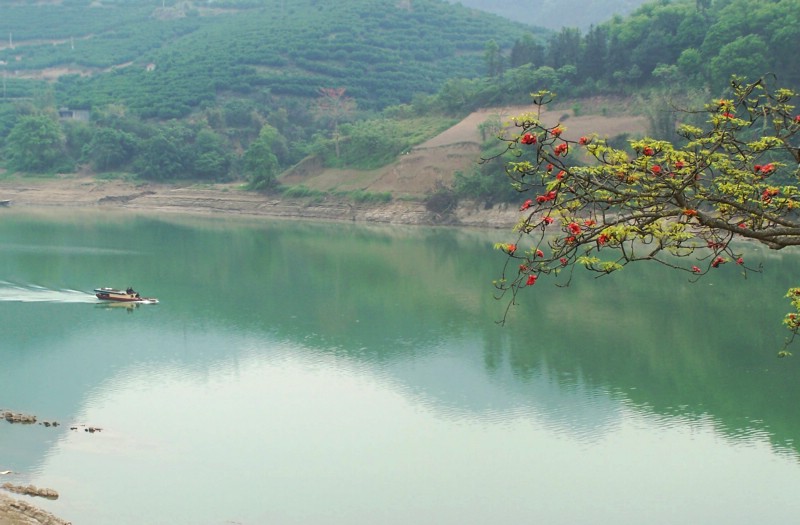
x=409, y=179
x=164, y=62
x=434, y=162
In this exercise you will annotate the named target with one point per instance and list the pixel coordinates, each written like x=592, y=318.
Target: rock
x=17, y=417
x=18, y=512
x=30, y=490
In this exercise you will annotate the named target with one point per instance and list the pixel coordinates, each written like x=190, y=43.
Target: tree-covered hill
x=167, y=61
x=224, y=89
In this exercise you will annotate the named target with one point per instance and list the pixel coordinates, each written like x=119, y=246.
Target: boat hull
x=121, y=296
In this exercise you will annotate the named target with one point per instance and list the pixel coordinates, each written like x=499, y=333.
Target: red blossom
x=574, y=228
x=602, y=239
x=549, y=168
x=523, y=268
x=585, y=140
x=648, y=151
x=528, y=138
x=561, y=174
x=539, y=253
x=768, y=193
x=797, y=119
x=561, y=149
x=549, y=196
x=563, y=261
x=531, y=280
x=739, y=261
x=656, y=170
x=742, y=225
x=525, y=205
x=678, y=164
x=718, y=261
x=728, y=114
x=557, y=131
x=690, y=212
x=589, y=223
x=570, y=239
x=511, y=248
x=695, y=269
x=547, y=220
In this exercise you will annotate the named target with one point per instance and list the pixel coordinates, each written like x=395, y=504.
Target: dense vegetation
x=169, y=85
x=185, y=90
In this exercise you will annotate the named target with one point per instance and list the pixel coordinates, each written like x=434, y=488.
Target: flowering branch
x=734, y=178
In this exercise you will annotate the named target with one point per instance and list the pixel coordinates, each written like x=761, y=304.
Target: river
x=327, y=373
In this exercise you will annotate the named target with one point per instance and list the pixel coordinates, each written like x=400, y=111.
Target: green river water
x=314, y=373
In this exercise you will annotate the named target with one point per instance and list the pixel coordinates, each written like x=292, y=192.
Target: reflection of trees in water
x=696, y=351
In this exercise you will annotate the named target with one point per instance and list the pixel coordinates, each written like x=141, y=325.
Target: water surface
x=340, y=374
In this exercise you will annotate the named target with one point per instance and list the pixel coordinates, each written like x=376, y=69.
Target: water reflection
x=361, y=369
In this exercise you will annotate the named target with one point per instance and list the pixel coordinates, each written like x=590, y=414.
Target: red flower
x=648, y=151
x=585, y=140
x=557, y=131
x=602, y=239
x=539, y=253
x=570, y=239
x=561, y=149
x=574, y=228
x=728, y=115
x=718, y=261
x=769, y=193
x=656, y=170
x=757, y=168
x=695, y=269
x=547, y=220
x=531, y=280
x=523, y=268
x=549, y=168
x=797, y=119
x=525, y=205
x=528, y=139
x=561, y=174
x=511, y=248
x=678, y=164
x=563, y=261
x=690, y=213
x=589, y=223
x=739, y=261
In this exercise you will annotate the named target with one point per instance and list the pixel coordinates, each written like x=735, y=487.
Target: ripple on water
x=31, y=293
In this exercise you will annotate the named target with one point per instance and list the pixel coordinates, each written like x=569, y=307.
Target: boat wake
x=38, y=294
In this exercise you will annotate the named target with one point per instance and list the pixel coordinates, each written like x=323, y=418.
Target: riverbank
x=233, y=199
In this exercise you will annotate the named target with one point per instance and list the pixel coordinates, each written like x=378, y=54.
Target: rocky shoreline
x=232, y=199
x=17, y=511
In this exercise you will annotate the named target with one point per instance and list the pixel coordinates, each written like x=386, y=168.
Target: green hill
x=163, y=62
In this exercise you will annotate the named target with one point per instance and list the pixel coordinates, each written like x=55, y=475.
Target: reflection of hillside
x=702, y=350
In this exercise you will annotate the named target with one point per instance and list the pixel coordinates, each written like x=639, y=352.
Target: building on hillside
x=73, y=114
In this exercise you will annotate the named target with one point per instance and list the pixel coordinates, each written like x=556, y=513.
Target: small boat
x=123, y=296
x=5, y=203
